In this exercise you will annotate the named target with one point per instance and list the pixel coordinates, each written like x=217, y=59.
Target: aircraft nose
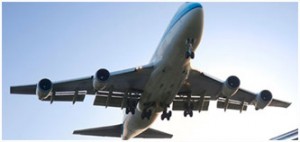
x=193, y=5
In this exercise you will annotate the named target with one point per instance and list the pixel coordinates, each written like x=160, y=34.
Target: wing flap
x=116, y=99
x=105, y=101
x=66, y=98
x=180, y=105
x=221, y=104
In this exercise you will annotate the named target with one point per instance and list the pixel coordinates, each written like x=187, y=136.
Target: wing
x=129, y=82
x=63, y=86
x=200, y=86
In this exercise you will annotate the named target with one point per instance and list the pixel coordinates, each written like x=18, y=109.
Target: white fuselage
x=171, y=68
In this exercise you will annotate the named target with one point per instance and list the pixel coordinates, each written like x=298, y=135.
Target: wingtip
x=11, y=90
x=289, y=104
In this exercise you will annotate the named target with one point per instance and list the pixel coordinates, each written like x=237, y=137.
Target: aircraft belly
x=162, y=87
x=171, y=70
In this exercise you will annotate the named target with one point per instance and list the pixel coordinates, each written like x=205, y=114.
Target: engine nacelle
x=230, y=86
x=263, y=99
x=44, y=88
x=100, y=79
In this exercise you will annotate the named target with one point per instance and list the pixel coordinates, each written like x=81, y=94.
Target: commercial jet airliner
x=166, y=83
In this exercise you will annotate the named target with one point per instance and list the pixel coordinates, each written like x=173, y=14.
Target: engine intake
x=100, y=79
x=230, y=86
x=263, y=99
x=44, y=88
x=102, y=74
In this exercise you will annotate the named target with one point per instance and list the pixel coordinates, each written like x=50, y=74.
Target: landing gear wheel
x=191, y=113
x=166, y=115
x=146, y=114
x=189, y=107
x=132, y=111
x=185, y=113
x=130, y=107
x=192, y=55
x=169, y=115
x=127, y=110
x=162, y=117
x=187, y=54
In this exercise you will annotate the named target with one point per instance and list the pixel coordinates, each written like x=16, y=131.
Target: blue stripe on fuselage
x=183, y=10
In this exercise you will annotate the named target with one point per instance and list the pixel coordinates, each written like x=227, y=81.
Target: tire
x=192, y=55
x=149, y=114
x=187, y=54
x=191, y=114
x=170, y=114
x=162, y=117
x=127, y=110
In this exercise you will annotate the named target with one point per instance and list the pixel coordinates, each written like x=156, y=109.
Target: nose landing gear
x=189, y=44
x=146, y=114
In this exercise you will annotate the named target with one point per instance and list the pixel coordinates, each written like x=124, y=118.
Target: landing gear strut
x=146, y=114
x=189, y=44
x=166, y=114
x=130, y=107
x=188, y=109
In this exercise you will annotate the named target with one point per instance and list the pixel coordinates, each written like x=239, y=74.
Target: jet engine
x=100, y=78
x=230, y=86
x=263, y=99
x=44, y=88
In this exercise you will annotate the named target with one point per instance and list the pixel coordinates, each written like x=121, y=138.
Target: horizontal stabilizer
x=152, y=133
x=116, y=131
x=109, y=131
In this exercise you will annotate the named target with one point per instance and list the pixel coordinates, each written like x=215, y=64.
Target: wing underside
x=197, y=90
x=198, y=85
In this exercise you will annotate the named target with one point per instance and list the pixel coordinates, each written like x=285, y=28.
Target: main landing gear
x=188, y=109
x=166, y=114
x=130, y=106
x=189, y=44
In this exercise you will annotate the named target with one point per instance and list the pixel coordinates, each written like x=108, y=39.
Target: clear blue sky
x=255, y=41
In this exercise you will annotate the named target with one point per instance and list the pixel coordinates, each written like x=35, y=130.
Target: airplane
x=167, y=83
